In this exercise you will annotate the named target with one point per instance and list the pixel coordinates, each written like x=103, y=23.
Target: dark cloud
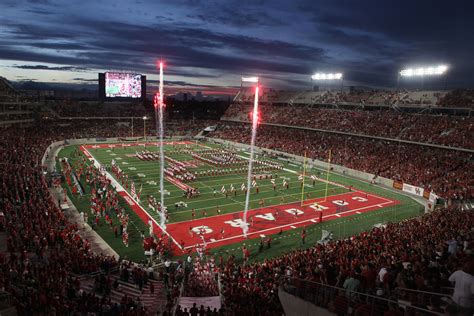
x=164, y=18
x=180, y=83
x=190, y=74
x=62, y=46
x=240, y=14
x=40, y=11
x=183, y=47
x=170, y=39
x=45, y=67
x=418, y=21
x=9, y=53
x=85, y=80
x=25, y=31
x=367, y=40
x=239, y=18
x=39, y=1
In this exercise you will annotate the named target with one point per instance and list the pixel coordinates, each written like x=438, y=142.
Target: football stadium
x=177, y=187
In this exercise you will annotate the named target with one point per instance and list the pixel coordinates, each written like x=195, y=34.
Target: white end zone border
x=130, y=201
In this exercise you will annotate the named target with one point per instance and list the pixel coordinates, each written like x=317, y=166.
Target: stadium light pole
x=255, y=119
x=328, y=77
x=423, y=72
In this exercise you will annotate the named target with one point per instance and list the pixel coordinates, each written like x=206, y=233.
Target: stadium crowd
x=44, y=253
x=459, y=98
x=95, y=109
x=45, y=256
x=419, y=254
x=91, y=129
x=123, y=113
x=201, y=279
x=448, y=173
x=440, y=129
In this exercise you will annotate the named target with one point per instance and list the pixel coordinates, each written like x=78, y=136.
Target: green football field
x=146, y=176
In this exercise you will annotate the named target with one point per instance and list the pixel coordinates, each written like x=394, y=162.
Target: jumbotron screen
x=123, y=85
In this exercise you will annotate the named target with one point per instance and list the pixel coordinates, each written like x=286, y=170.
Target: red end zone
x=270, y=220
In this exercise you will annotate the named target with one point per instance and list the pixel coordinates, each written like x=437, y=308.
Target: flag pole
x=327, y=176
x=304, y=174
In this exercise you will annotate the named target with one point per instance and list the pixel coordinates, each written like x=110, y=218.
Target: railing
x=423, y=298
x=162, y=264
x=344, y=302
x=176, y=299
x=95, y=273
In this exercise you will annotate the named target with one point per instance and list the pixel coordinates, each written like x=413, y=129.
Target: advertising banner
x=413, y=189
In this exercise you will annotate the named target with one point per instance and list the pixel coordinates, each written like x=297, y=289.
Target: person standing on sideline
x=303, y=235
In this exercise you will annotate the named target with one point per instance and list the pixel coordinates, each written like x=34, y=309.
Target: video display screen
x=123, y=85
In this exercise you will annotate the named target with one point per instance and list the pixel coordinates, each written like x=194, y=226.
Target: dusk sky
x=210, y=44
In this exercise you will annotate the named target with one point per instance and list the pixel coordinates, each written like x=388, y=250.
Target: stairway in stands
x=154, y=302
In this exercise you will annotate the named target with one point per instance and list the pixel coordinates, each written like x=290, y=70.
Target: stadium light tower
x=247, y=79
x=255, y=121
x=427, y=71
x=422, y=72
x=250, y=79
x=328, y=77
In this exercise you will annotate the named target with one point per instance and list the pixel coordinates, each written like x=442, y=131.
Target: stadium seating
x=446, y=172
x=13, y=110
x=461, y=98
x=442, y=129
x=95, y=109
x=458, y=98
x=7, y=92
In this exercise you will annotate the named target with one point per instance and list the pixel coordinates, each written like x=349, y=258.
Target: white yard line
x=219, y=195
x=288, y=195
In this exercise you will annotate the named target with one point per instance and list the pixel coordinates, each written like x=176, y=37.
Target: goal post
x=311, y=202
x=302, y=180
x=327, y=176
